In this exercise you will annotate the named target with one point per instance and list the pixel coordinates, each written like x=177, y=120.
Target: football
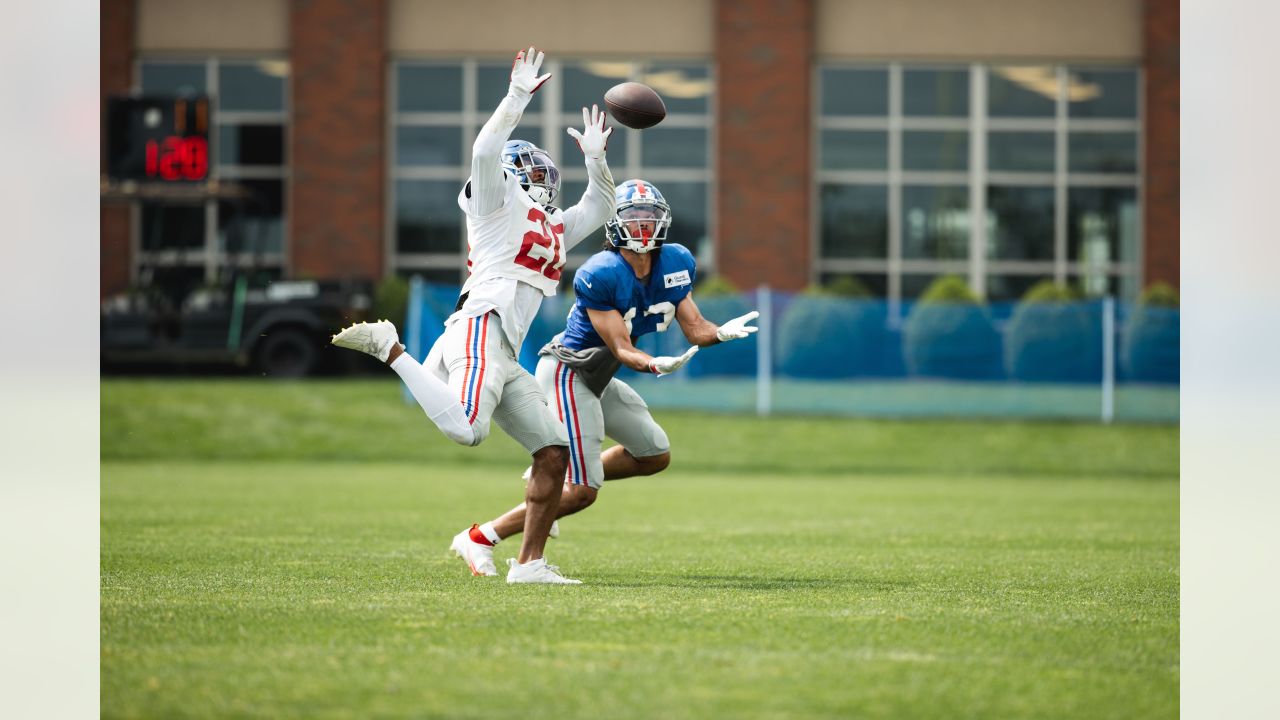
x=635, y=105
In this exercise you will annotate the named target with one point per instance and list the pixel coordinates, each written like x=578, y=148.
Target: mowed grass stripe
x=317, y=589
x=368, y=421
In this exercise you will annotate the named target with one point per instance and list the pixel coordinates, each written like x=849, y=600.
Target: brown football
x=635, y=105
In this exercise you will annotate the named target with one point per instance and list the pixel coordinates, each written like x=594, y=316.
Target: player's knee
x=469, y=435
x=552, y=460
x=655, y=463
x=577, y=498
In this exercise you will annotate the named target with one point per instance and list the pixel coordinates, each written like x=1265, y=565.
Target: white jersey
x=521, y=240
x=515, y=254
x=516, y=250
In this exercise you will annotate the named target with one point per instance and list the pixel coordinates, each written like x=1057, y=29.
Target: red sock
x=478, y=537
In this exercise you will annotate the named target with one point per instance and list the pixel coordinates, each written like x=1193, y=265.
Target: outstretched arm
x=487, y=187
x=596, y=203
x=613, y=330
x=702, y=332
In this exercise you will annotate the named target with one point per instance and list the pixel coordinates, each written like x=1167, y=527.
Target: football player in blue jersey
x=636, y=286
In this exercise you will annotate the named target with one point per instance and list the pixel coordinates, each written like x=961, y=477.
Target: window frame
x=551, y=121
x=978, y=124
x=211, y=257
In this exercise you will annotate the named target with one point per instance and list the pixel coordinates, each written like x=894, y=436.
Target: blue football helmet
x=641, y=217
x=533, y=167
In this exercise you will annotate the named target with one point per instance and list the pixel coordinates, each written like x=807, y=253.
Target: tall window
x=184, y=243
x=439, y=106
x=1047, y=156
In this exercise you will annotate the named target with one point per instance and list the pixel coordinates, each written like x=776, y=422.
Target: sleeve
x=686, y=263
x=594, y=289
x=487, y=188
x=595, y=206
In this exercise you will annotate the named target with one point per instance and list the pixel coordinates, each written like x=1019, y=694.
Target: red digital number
x=525, y=258
x=178, y=157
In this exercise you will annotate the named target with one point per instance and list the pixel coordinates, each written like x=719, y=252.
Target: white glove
x=524, y=73
x=737, y=328
x=666, y=365
x=594, y=138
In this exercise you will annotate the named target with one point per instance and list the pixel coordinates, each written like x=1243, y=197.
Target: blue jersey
x=607, y=282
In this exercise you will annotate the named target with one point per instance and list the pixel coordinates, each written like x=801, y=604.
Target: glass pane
x=935, y=223
x=855, y=221
x=1020, y=223
x=1102, y=225
x=1022, y=91
x=862, y=92
x=935, y=93
x=256, y=224
x=855, y=150
x=1010, y=288
x=914, y=284
x=174, y=282
x=1098, y=283
x=431, y=88
x=251, y=145
x=1111, y=93
x=1102, y=152
x=930, y=150
x=172, y=227
x=427, y=217
x=688, y=201
x=877, y=283
x=684, y=88
x=173, y=78
x=1020, y=151
x=257, y=86
x=584, y=84
x=673, y=147
x=416, y=145
x=492, y=82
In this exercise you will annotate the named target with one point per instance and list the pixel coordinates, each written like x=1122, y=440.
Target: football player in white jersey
x=638, y=285
x=517, y=241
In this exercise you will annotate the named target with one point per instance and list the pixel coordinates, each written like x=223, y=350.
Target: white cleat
x=376, y=338
x=555, y=524
x=478, y=557
x=537, y=571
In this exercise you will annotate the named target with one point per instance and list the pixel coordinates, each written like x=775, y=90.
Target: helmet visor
x=643, y=222
x=537, y=169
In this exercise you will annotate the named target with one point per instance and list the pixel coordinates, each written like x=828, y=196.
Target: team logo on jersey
x=676, y=279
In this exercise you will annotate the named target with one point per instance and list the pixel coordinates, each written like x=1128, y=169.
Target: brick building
x=806, y=140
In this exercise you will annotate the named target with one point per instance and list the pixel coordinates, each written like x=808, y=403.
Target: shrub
x=391, y=300
x=846, y=286
x=719, y=300
x=1160, y=294
x=822, y=336
x=1151, y=337
x=950, y=334
x=1053, y=337
x=716, y=286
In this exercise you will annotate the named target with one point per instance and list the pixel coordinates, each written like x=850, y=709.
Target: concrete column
x=338, y=137
x=763, y=54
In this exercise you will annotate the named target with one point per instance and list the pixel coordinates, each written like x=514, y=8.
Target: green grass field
x=279, y=550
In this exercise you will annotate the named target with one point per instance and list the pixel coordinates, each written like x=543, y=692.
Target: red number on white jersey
x=548, y=237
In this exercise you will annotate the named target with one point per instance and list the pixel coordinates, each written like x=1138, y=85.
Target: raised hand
x=524, y=72
x=594, y=138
